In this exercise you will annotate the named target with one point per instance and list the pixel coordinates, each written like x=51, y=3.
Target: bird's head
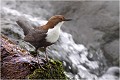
x=58, y=18
x=54, y=20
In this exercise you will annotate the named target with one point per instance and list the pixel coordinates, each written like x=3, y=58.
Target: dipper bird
x=43, y=36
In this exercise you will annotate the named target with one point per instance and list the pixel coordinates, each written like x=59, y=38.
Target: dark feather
x=37, y=38
x=24, y=24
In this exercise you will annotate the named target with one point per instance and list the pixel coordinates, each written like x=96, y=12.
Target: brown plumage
x=37, y=36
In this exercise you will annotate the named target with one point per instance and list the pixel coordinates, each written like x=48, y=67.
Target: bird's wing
x=24, y=23
x=35, y=35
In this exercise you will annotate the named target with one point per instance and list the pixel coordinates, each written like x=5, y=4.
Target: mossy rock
x=53, y=70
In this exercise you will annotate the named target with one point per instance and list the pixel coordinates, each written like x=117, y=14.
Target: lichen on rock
x=53, y=70
x=23, y=65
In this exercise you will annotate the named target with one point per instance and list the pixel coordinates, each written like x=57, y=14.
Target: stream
x=79, y=61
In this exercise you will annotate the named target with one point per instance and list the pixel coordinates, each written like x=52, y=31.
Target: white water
x=74, y=56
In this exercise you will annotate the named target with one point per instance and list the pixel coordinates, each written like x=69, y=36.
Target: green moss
x=53, y=70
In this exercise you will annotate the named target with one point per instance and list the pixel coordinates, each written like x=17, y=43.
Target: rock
x=53, y=70
x=91, y=21
x=112, y=73
x=112, y=52
x=14, y=70
x=17, y=63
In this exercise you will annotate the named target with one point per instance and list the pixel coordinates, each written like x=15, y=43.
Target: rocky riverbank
x=94, y=28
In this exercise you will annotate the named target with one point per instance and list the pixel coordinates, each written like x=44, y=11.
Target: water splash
x=74, y=56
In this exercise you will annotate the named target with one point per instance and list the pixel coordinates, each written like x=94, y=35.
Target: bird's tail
x=24, y=24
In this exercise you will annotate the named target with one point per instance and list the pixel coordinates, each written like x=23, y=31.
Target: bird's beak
x=67, y=19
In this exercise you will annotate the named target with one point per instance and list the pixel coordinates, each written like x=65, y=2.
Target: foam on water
x=74, y=56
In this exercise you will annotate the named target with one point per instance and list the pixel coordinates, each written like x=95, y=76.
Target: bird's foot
x=41, y=67
x=47, y=63
x=45, y=60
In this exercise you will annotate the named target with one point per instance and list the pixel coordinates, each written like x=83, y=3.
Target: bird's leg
x=39, y=65
x=46, y=56
x=37, y=56
x=38, y=60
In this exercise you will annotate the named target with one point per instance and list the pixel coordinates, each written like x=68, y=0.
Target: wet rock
x=112, y=52
x=13, y=70
x=87, y=18
x=112, y=73
x=15, y=62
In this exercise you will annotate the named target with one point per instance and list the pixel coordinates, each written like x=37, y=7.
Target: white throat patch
x=53, y=34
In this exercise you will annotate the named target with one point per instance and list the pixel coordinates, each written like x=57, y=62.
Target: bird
x=45, y=35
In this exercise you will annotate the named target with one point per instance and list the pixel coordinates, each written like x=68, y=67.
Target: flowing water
x=79, y=62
